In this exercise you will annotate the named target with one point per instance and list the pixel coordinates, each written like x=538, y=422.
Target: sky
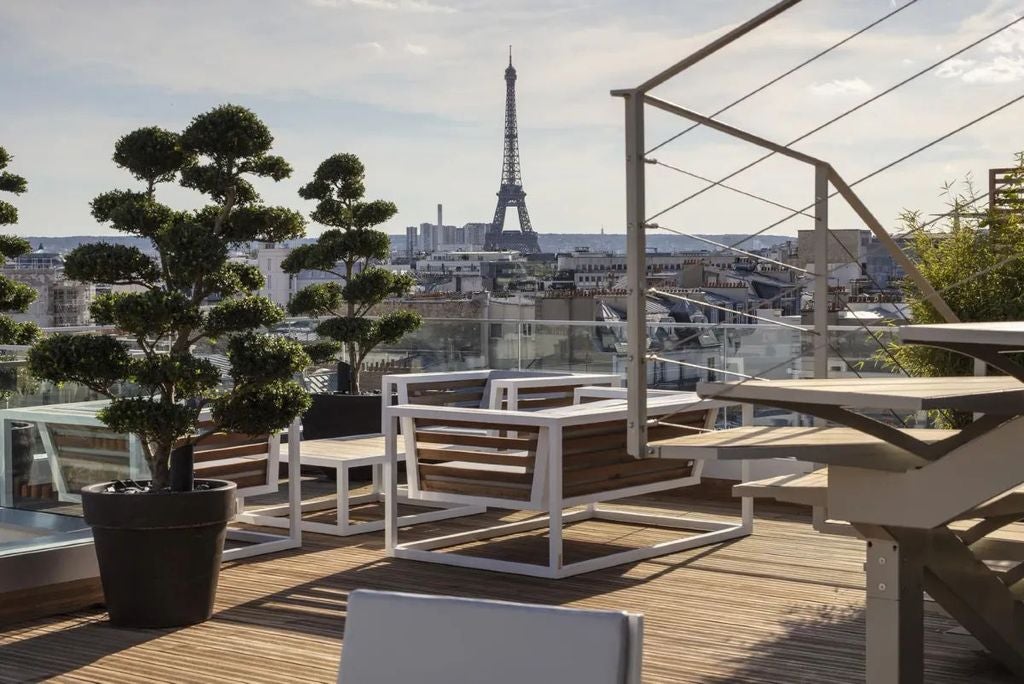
x=416, y=89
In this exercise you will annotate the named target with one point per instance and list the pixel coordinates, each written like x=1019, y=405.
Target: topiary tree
x=977, y=263
x=15, y=297
x=167, y=310
x=349, y=250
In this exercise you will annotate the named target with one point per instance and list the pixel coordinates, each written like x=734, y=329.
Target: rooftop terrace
x=783, y=605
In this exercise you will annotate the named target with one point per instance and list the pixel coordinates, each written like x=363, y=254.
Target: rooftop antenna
x=510, y=55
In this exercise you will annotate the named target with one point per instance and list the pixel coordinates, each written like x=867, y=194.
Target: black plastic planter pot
x=159, y=553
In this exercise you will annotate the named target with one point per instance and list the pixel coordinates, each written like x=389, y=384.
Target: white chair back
x=393, y=637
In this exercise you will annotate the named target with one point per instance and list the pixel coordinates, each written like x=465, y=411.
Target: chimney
x=440, y=223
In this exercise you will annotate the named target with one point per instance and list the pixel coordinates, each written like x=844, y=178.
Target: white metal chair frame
x=546, y=491
x=505, y=392
x=343, y=500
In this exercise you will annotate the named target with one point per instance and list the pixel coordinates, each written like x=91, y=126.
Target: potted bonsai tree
x=14, y=297
x=348, y=251
x=159, y=542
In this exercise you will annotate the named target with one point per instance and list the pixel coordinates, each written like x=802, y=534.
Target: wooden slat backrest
x=242, y=459
x=475, y=463
x=464, y=393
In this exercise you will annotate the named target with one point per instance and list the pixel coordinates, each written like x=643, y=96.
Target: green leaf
x=216, y=181
x=96, y=361
x=151, y=154
x=309, y=257
x=374, y=285
x=227, y=132
x=190, y=250
x=268, y=165
x=132, y=212
x=394, y=325
x=316, y=300
x=147, y=314
x=322, y=351
x=256, y=409
x=153, y=419
x=373, y=213
x=340, y=176
x=10, y=182
x=12, y=332
x=190, y=376
x=263, y=224
x=242, y=313
x=346, y=330
x=8, y=213
x=12, y=247
x=235, y=278
x=101, y=262
x=260, y=358
x=15, y=296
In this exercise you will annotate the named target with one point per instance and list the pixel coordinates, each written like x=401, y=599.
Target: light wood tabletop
x=996, y=334
x=1001, y=394
x=831, y=445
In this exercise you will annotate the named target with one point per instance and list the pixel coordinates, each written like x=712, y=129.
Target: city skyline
x=416, y=89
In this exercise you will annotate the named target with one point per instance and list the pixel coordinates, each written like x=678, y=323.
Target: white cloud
x=1009, y=41
x=414, y=49
x=955, y=68
x=841, y=86
x=393, y=5
x=999, y=70
x=1006, y=64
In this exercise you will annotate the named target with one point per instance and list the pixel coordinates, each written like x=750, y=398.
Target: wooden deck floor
x=784, y=605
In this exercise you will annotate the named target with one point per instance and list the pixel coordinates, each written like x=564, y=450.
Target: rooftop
x=783, y=605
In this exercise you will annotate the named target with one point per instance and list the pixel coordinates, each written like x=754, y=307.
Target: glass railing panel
x=41, y=483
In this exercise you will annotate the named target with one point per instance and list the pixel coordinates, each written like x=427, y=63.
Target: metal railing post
x=821, y=235
x=636, y=268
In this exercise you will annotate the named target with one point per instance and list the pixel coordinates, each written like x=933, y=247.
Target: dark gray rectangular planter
x=342, y=415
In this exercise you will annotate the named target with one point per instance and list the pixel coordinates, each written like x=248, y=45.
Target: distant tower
x=510, y=192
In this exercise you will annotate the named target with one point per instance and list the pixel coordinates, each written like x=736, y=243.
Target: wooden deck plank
x=783, y=605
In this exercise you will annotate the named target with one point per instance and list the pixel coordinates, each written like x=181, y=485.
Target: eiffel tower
x=510, y=192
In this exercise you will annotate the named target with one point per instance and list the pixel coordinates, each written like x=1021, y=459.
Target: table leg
x=6, y=465
x=294, y=482
x=895, y=610
x=390, y=484
x=554, y=461
x=343, y=493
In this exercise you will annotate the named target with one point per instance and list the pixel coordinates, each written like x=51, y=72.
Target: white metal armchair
x=545, y=461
